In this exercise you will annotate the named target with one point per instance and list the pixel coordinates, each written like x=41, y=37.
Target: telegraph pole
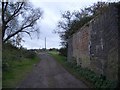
x=45, y=43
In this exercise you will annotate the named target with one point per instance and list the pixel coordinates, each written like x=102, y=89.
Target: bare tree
x=18, y=18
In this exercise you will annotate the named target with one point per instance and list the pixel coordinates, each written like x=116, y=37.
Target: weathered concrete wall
x=95, y=45
x=80, y=46
x=70, y=50
x=104, y=43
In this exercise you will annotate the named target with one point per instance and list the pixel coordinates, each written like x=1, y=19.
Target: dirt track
x=50, y=74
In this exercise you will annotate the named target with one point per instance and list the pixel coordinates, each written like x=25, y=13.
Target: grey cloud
x=52, y=14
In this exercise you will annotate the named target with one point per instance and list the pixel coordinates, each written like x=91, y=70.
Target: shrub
x=99, y=81
x=11, y=53
x=30, y=54
x=63, y=51
x=5, y=66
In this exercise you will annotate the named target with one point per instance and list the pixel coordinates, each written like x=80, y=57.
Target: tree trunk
x=3, y=24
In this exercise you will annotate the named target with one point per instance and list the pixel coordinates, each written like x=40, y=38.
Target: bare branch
x=15, y=13
x=27, y=33
x=13, y=24
x=6, y=6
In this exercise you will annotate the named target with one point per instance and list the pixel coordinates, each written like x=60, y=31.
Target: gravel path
x=50, y=74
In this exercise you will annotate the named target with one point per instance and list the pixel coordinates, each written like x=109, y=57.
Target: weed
x=16, y=63
x=98, y=81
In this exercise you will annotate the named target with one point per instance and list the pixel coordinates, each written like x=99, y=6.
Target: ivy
x=99, y=81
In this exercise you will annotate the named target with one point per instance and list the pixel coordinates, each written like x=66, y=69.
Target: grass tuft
x=17, y=63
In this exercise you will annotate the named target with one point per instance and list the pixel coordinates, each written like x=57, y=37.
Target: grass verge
x=16, y=64
x=13, y=77
x=62, y=60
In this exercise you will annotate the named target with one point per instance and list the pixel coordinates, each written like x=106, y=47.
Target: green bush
x=63, y=51
x=11, y=53
x=5, y=66
x=98, y=81
x=30, y=54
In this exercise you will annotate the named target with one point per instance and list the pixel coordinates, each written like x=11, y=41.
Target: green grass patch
x=16, y=64
x=53, y=52
x=13, y=77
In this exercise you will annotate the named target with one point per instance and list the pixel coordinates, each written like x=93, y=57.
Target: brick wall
x=80, y=46
x=95, y=45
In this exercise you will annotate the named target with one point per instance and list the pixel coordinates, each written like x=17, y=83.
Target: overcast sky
x=52, y=13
